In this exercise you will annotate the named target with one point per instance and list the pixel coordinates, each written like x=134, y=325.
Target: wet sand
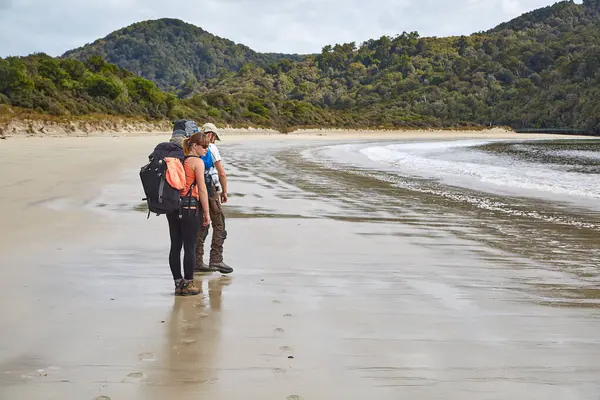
x=333, y=296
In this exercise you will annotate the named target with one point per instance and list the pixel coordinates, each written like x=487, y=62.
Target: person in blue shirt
x=216, y=182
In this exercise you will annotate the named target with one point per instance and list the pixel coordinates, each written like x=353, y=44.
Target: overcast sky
x=284, y=26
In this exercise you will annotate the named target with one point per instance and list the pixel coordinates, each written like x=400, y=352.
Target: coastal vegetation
x=538, y=71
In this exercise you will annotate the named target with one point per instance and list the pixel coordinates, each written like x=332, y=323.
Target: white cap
x=209, y=127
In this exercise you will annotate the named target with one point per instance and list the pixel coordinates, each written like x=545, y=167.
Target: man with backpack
x=217, y=180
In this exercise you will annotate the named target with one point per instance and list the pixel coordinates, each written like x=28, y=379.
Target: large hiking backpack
x=161, y=196
x=186, y=127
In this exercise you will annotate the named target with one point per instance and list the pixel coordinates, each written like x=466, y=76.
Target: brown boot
x=220, y=267
x=201, y=267
x=178, y=286
x=189, y=289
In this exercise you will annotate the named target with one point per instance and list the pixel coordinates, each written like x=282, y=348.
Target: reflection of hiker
x=217, y=182
x=215, y=291
x=191, y=352
x=184, y=224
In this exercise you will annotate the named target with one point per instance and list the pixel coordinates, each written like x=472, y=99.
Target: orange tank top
x=190, y=177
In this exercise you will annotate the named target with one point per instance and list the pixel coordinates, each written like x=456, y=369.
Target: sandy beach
x=343, y=288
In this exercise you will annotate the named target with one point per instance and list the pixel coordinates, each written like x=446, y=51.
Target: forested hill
x=540, y=70
x=172, y=53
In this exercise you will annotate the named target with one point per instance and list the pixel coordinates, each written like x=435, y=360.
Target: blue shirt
x=208, y=160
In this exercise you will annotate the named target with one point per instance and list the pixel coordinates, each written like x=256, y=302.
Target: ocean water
x=532, y=204
x=552, y=181
x=568, y=170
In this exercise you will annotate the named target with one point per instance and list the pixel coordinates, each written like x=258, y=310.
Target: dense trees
x=70, y=87
x=541, y=70
x=171, y=53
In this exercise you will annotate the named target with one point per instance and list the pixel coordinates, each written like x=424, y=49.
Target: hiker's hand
x=205, y=219
x=223, y=197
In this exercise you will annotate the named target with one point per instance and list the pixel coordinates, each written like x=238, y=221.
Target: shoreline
x=237, y=134
x=98, y=125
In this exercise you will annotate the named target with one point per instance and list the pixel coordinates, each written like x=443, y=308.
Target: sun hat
x=210, y=127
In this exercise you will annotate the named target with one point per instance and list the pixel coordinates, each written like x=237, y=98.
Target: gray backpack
x=186, y=127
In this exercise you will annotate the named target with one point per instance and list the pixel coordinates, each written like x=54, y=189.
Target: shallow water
x=534, y=201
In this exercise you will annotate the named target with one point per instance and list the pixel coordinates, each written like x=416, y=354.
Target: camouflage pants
x=219, y=233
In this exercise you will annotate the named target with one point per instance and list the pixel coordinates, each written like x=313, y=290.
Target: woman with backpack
x=185, y=224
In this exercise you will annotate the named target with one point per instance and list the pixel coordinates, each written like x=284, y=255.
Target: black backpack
x=161, y=197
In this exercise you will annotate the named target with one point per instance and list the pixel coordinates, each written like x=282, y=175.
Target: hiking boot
x=189, y=289
x=178, y=285
x=221, y=267
x=202, y=268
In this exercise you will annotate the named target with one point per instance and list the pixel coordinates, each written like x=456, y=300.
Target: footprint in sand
x=134, y=377
x=285, y=349
x=287, y=315
x=279, y=330
x=188, y=341
x=188, y=327
x=147, y=357
x=295, y=397
x=102, y=398
x=276, y=302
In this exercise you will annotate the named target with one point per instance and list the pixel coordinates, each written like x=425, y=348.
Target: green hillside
x=540, y=70
x=172, y=53
x=69, y=88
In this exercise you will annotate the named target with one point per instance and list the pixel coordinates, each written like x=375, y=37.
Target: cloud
x=286, y=26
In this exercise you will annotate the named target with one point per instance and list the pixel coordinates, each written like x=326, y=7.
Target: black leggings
x=183, y=232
